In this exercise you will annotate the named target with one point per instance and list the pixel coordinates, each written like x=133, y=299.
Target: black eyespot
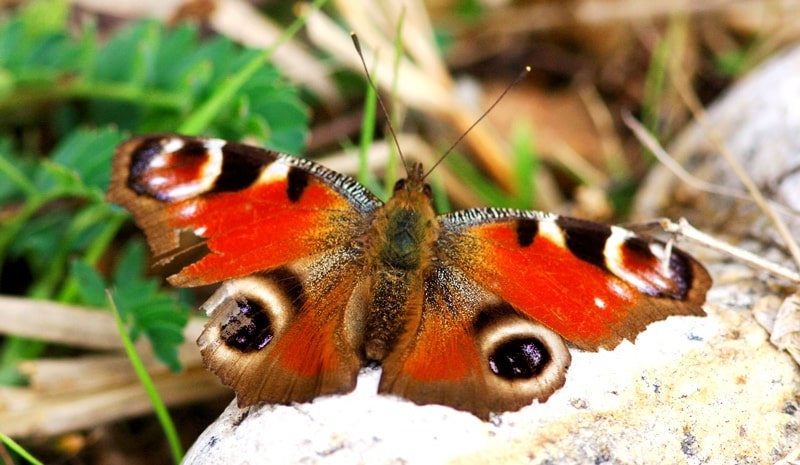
x=400, y=185
x=248, y=330
x=520, y=358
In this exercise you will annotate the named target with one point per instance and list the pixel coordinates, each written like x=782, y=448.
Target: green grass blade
x=196, y=122
x=147, y=382
x=19, y=450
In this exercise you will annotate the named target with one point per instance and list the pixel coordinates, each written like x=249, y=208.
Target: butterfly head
x=414, y=185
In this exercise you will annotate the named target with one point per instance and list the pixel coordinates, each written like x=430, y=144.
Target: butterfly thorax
x=404, y=232
x=406, y=228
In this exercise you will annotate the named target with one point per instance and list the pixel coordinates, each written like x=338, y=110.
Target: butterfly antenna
x=461, y=137
x=357, y=45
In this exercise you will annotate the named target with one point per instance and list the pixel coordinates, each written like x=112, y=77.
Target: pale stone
x=691, y=390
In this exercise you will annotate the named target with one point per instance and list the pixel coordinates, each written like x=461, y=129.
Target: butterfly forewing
x=591, y=283
x=255, y=209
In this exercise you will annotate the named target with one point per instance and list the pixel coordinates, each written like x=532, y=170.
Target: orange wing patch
x=557, y=271
x=256, y=209
x=261, y=229
x=272, y=339
x=574, y=298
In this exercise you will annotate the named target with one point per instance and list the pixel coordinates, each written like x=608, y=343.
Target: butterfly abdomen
x=403, y=234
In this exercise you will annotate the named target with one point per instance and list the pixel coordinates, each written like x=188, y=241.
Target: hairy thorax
x=400, y=253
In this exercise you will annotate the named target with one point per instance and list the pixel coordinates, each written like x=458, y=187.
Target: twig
x=684, y=229
x=694, y=106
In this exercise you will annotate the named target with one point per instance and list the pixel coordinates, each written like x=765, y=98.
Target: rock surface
x=758, y=121
x=691, y=390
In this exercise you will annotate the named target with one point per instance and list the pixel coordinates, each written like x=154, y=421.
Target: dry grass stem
x=58, y=323
x=70, y=394
x=609, y=12
x=162, y=9
x=578, y=165
x=610, y=143
x=241, y=21
x=690, y=99
x=421, y=85
x=27, y=414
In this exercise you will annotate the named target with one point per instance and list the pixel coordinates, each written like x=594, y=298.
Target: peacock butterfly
x=468, y=309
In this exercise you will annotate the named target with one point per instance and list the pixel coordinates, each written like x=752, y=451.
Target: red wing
x=593, y=284
x=285, y=336
x=256, y=209
x=472, y=351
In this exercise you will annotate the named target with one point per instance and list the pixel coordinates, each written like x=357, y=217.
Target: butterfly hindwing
x=287, y=335
x=474, y=352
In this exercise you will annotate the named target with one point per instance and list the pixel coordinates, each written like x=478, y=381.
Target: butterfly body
x=466, y=309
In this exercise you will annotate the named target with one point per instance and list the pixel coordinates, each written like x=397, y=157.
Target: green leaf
x=91, y=285
x=131, y=265
x=87, y=154
x=16, y=172
x=40, y=239
x=80, y=165
x=148, y=309
x=45, y=17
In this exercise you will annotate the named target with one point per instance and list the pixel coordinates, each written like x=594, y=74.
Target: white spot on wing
x=188, y=210
x=157, y=181
x=620, y=291
x=208, y=173
x=551, y=231
x=275, y=172
x=650, y=283
x=173, y=145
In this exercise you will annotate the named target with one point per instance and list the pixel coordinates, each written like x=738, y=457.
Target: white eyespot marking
x=212, y=168
x=200, y=231
x=157, y=181
x=157, y=162
x=208, y=170
x=546, y=377
x=188, y=190
x=658, y=250
x=551, y=231
x=613, y=248
x=599, y=303
x=649, y=280
x=214, y=147
x=269, y=294
x=275, y=172
x=173, y=145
